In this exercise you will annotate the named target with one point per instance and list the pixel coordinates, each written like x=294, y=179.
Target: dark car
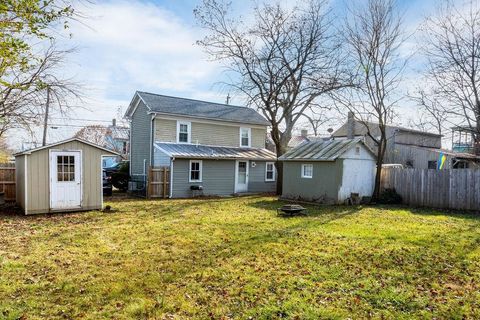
x=111, y=170
x=107, y=184
x=118, y=175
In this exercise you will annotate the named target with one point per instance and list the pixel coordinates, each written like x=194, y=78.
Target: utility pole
x=45, y=121
x=228, y=98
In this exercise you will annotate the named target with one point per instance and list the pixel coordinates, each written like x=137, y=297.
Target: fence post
x=149, y=182
x=164, y=182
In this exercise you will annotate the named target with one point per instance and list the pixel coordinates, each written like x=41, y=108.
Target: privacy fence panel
x=452, y=189
x=7, y=180
x=158, y=182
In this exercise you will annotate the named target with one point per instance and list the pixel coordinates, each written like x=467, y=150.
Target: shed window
x=307, y=170
x=183, y=132
x=270, y=171
x=245, y=136
x=195, y=171
x=65, y=168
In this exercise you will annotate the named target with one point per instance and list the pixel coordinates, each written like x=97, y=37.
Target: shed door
x=65, y=179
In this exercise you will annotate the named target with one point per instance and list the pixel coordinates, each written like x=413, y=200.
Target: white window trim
x=266, y=170
x=189, y=131
x=190, y=170
x=303, y=170
x=249, y=137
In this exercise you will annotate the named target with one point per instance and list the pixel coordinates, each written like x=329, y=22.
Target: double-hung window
x=307, y=170
x=269, y=171
x=245, y=137
x=195, y=174
x=184, y=131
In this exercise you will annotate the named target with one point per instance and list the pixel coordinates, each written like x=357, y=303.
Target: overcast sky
x=126, y=46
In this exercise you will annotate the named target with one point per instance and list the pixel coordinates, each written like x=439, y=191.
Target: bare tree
x=433, y=115
x=452, y=47
x=316, y=118
x=373, y=35
x=23, y=104
x=282, y=61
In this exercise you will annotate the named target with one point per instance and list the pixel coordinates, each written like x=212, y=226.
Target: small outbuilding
x=60, y=177
x=330, y=172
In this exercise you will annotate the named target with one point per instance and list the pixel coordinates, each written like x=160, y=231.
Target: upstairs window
x=307, y=171
x=195, y=171
x=245, y=137
x=270, y=171
x=183, y=131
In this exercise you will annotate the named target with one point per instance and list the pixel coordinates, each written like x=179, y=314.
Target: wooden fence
x=452, y=189
x=7, y=180
x=158, y=182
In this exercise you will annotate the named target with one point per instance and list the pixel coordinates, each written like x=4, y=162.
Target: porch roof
x=179, y=150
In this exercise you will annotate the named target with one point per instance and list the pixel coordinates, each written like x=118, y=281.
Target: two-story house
x=409, y=147
x=216, y=146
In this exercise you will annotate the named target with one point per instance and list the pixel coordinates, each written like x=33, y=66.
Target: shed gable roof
x=157, y=103
x=322, y=150
x=62, y=142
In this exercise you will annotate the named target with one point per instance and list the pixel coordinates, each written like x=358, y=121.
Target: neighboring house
x=328, y=171
x=216, y=146
x=112, y=137
x=411, y=148
x=60, y=177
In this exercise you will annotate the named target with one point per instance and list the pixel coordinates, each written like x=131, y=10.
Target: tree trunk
x=378, y=174
x=279, y=168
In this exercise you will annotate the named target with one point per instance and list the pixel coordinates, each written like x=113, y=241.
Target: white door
x=65, y=179
x=241, y=176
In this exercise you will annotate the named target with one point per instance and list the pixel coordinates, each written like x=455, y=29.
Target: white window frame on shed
x=200, y=167
x=249, y=132
x=305, y=165
x=189, y=131
x=266, y=171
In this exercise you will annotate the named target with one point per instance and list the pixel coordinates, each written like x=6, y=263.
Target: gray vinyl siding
x=140, y=139
x=208, y=133
x=160, y=159
x=218, y=178
x=322, y=188
x=256, y=179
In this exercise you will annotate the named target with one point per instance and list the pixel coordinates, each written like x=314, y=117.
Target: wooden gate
x=7, y=180
x=158, y=182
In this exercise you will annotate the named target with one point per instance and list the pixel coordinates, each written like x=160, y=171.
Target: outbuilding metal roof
x=157, y=103
x=179, y=150
x=321, y=150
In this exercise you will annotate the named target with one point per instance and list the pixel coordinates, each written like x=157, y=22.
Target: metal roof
x=321, y=150
x=157, y=103
x=179, y=150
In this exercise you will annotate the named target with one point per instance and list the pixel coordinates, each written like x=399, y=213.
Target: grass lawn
x=234, y=258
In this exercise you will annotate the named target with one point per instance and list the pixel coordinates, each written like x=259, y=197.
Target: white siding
x=358, y=174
